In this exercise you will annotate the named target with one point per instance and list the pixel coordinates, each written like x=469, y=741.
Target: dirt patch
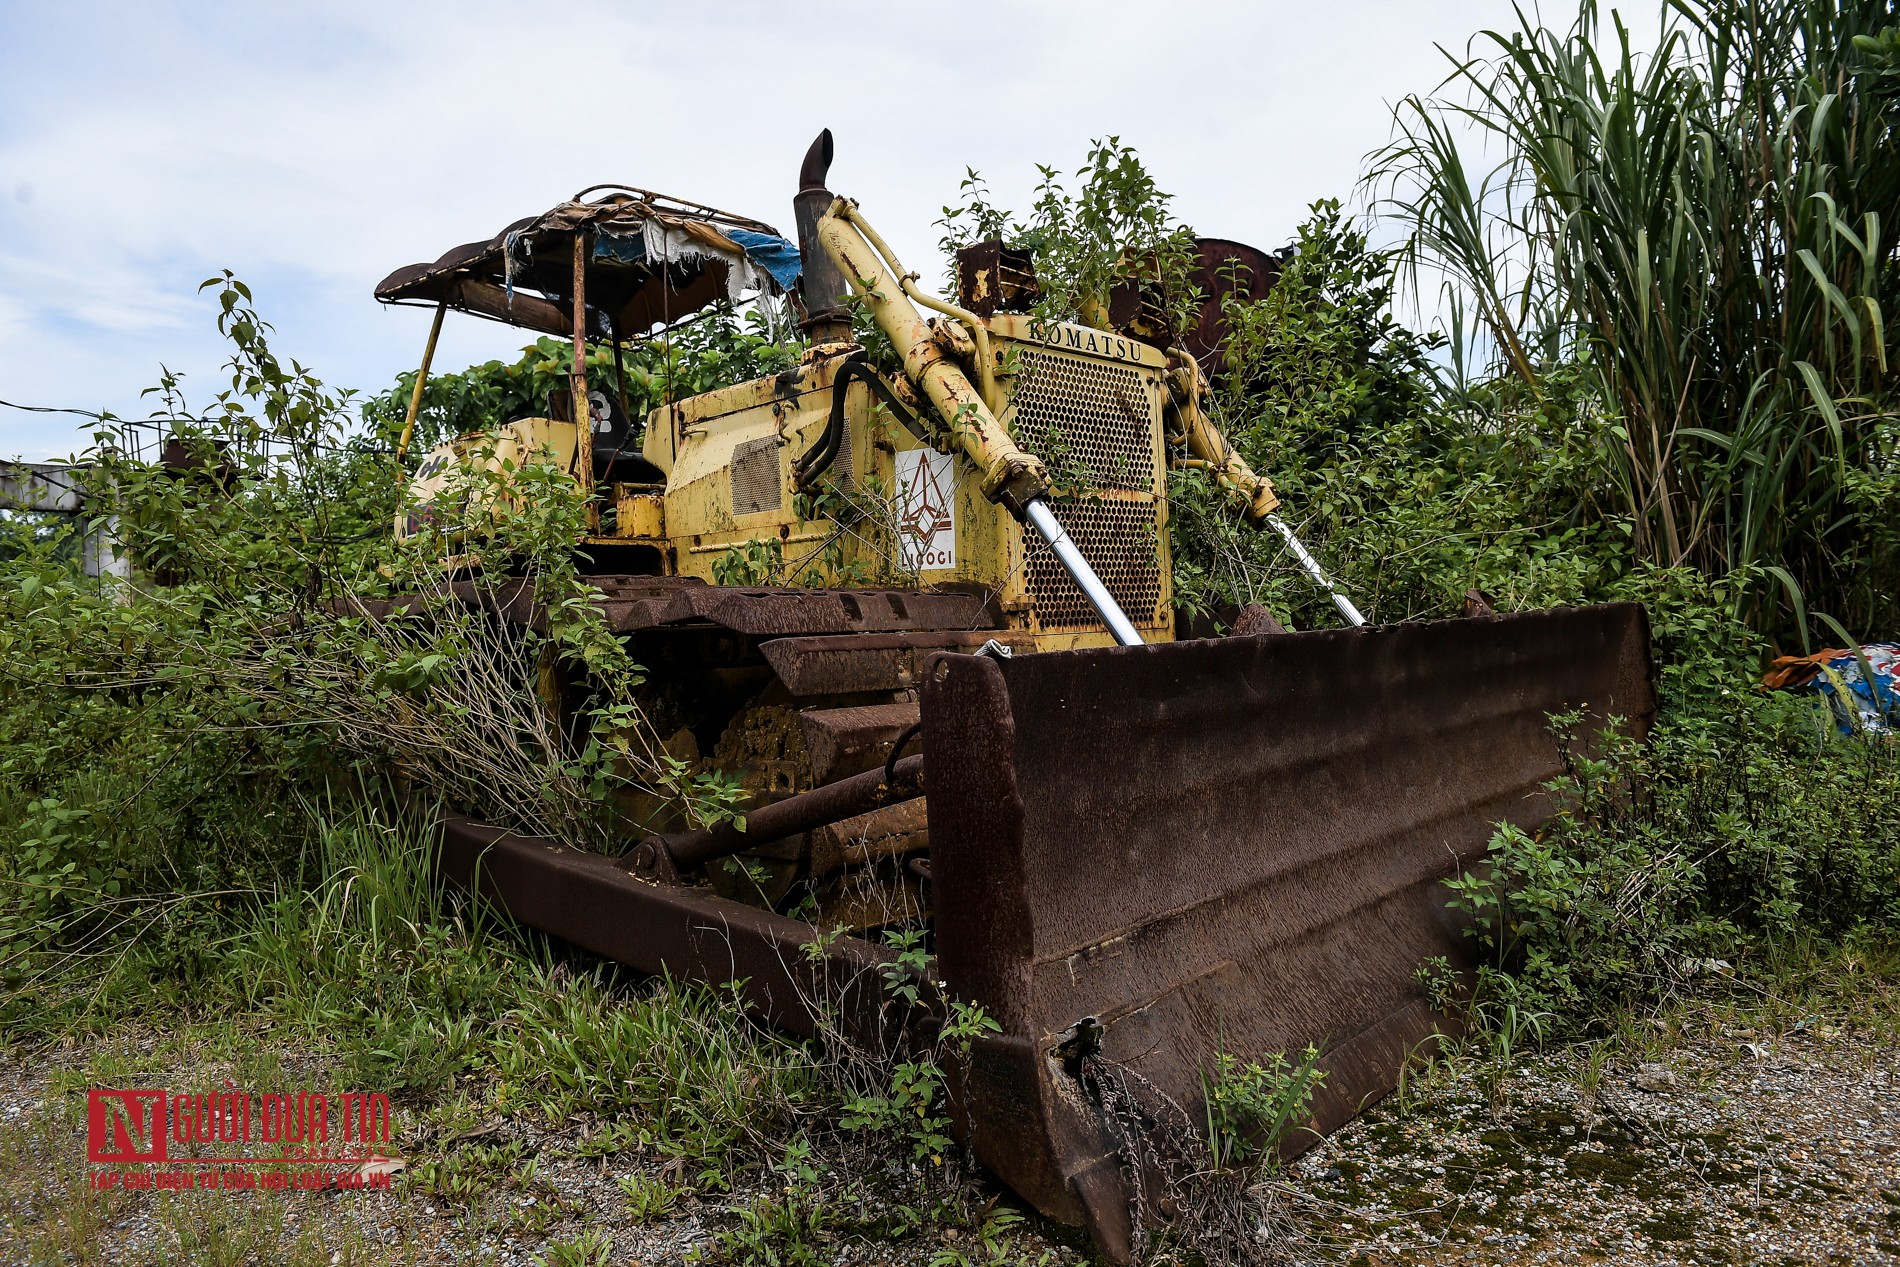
x=477, y=1187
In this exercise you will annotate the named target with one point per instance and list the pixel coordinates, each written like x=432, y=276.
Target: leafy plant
x=1253, y=1108
x=749, y=563
x=650, y=1197
x=1116, y=229
x=718, y=349
x=1712, y=841
x=1700, y=226
x=786, y=1228
x=993, y=1245
x=588, y=1249
x=912, y=1100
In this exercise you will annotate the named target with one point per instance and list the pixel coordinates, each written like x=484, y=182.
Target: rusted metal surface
x=992, y=277
x=1223, y=269
x=1235, y=844
x=822, y=288
x=1255, y=620
x=633, y=603
x=850, y=666
x=498, y=303
x=882, y=833
x=846, y=741
x=649, y=602
x=664, y=857
x=588, y=900
x=1141, y=856
x=491, y=278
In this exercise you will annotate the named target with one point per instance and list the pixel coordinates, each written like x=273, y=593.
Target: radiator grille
x=755, y=476
x=1118, y=539
x=1094, y=424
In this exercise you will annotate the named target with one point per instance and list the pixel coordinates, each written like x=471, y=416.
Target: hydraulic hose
x=821, y=455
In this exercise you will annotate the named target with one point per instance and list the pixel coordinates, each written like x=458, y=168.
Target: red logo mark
x=125, y=1126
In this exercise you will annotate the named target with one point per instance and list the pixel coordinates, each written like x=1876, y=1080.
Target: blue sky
x=311, y=148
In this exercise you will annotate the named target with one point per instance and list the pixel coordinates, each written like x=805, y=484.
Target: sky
x=311, y=148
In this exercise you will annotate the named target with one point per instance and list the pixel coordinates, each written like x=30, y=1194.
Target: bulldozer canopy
x=650, y=260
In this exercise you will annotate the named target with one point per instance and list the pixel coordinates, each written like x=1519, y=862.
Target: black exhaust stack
x=823, y=287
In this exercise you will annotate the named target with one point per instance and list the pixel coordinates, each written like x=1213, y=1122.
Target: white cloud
x=311, y=148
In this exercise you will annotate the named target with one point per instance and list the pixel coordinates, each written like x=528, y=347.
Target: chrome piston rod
x=1044, y=521
x=1314, y=570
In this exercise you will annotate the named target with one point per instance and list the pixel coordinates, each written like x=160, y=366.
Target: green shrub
x=720, y=348
x=1629, y=204
x=1730, y=832
x=1253, y=1108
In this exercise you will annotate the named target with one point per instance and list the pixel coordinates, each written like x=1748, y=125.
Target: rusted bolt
x=650, y=860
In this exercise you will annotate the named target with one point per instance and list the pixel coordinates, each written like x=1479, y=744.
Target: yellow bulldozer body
x=891, y=510
x=444, y=486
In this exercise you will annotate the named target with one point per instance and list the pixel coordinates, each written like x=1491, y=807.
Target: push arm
x=1009, y=475
x=1015, y=479
x=1209, y=449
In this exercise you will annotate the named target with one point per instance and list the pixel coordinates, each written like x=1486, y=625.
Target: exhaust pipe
x=823, y=287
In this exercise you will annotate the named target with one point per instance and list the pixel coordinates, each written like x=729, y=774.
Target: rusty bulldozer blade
x=1143, y=856
x=1229, y=845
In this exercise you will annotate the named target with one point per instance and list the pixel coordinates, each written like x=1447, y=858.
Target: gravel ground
x=1734, y=1149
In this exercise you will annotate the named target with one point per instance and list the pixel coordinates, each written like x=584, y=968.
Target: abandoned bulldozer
x=966, y=703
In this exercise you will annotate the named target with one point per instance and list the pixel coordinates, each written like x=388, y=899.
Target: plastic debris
x=1858, y=706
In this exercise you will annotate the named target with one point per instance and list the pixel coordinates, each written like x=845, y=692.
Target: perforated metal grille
x=841, y=472
x=1092, y=422
x=1118, y=539
x=755, y=476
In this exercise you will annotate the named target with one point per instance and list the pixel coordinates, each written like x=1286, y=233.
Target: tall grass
x=368, y=954
x=1702, y=225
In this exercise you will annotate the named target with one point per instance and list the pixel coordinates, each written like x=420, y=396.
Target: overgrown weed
x=1713, y=849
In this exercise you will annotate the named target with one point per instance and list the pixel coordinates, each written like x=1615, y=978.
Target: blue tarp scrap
x=627, y=248
x=1857, y=705
x=775, y=255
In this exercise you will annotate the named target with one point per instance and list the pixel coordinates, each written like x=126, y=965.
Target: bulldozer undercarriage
x=784, y=691
x=1133, y=858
